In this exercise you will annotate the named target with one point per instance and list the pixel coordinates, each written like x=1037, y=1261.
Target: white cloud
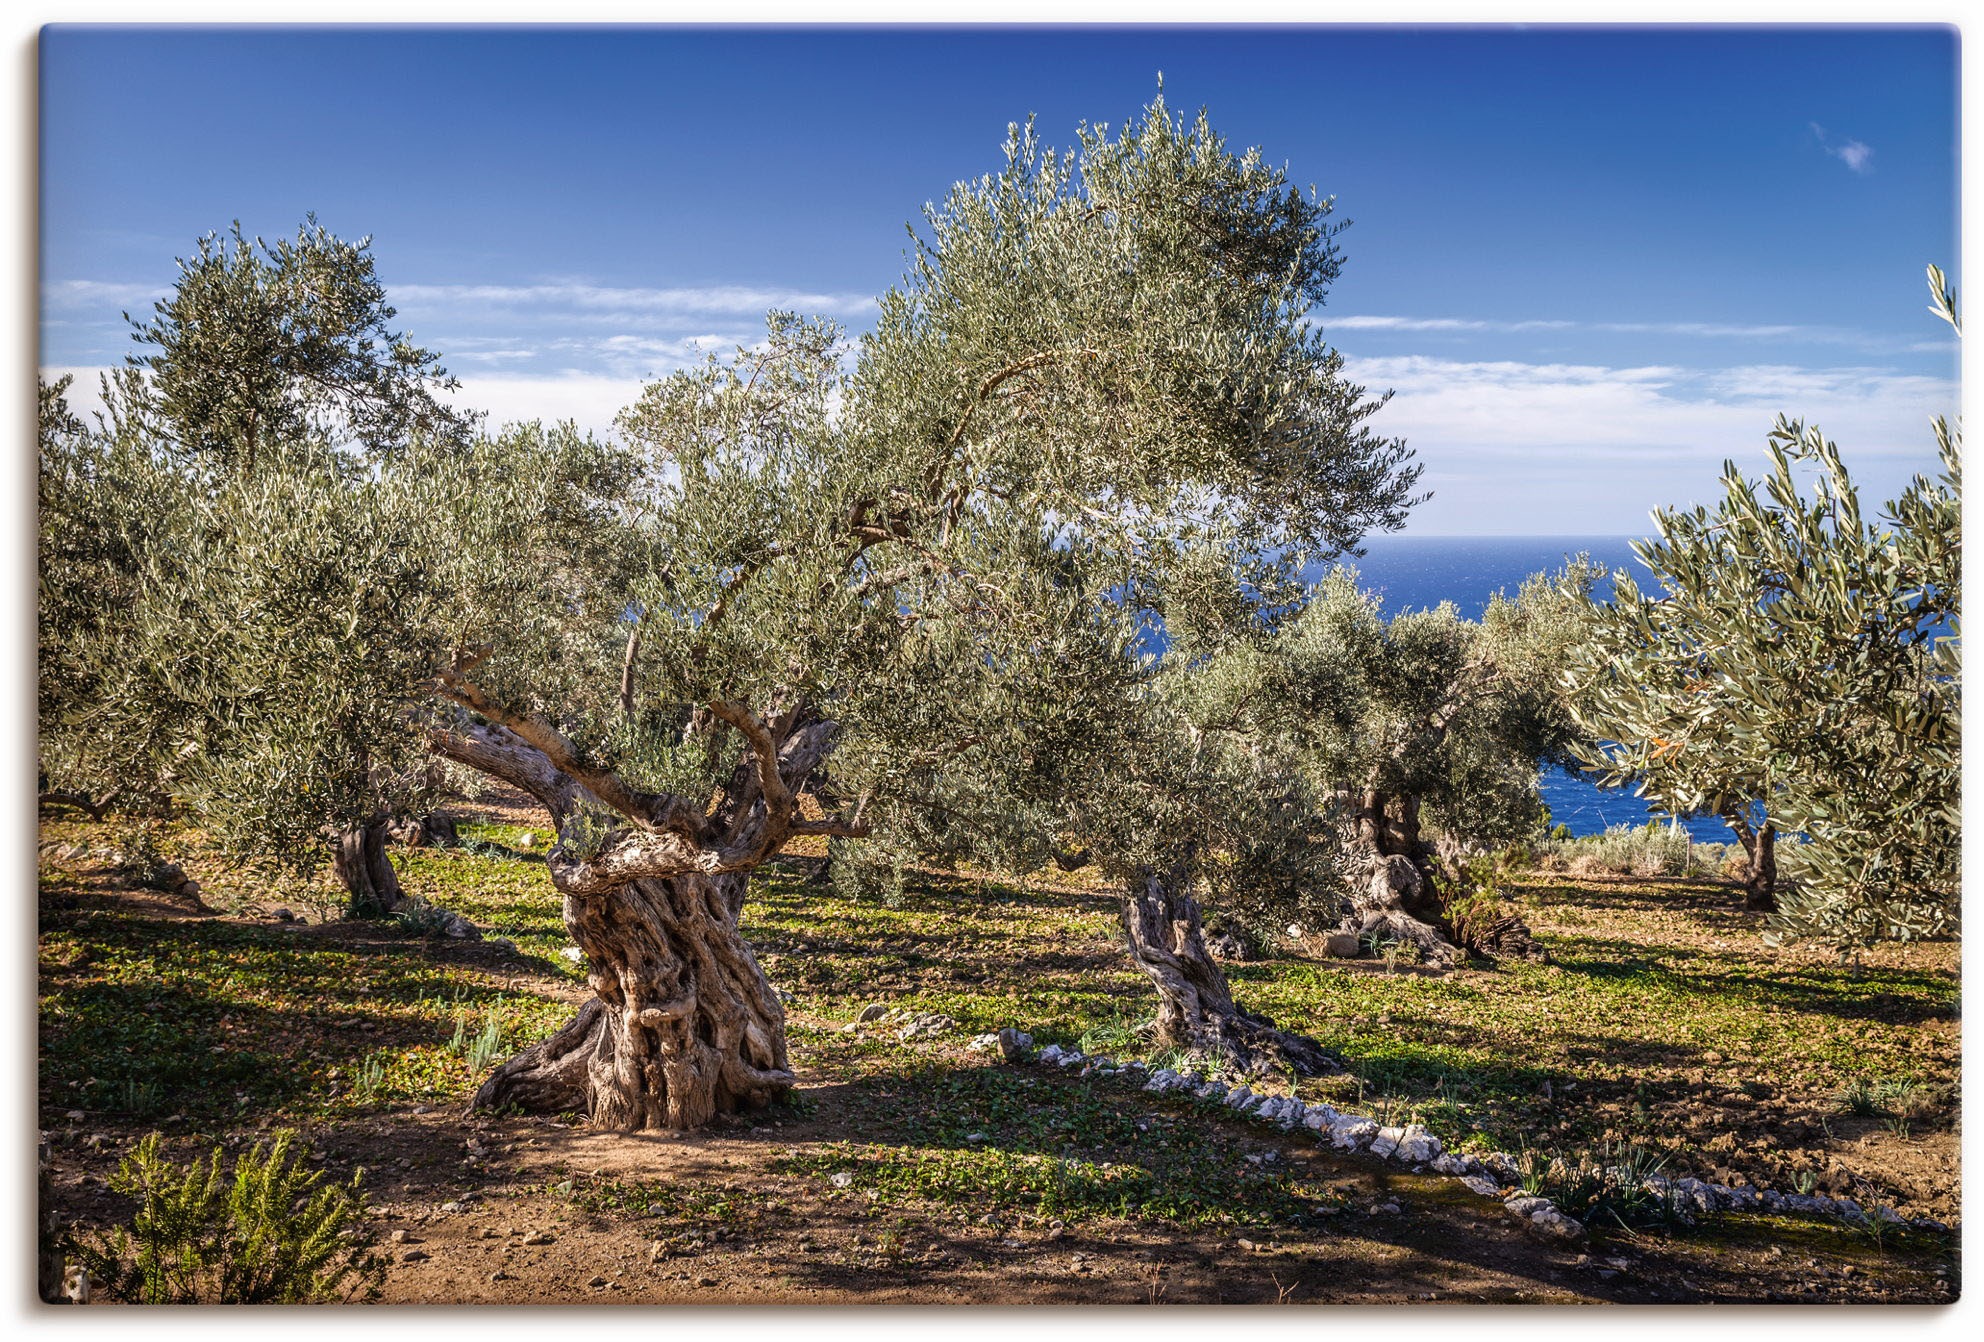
x=1830, y=335
x=1544, y=449
x=1657, y=409
x=594, y=298
x=101, y=295
x=1854, y=154
x=589, y=399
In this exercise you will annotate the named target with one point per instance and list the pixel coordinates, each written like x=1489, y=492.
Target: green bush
x=269, y=1235
x=1651, y=850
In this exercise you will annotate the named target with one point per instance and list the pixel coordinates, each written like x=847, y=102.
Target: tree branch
x=657, y=810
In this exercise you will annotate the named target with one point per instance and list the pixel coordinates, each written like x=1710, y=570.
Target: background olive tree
x=1801, y=652
x=269, y=372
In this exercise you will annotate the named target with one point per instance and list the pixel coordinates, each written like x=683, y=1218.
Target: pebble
x=414, y=1256
x=541, y=1237
x=597, y=1282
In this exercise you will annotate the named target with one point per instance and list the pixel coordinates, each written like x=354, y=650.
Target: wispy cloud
x=584, y=297
x=1853, y=153
x=1568, y=410
x=1593, y=447
x=73, y=295
x=1829, y=335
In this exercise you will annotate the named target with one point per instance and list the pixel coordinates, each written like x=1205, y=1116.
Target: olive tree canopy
x=1810, y=653
x=897, y=605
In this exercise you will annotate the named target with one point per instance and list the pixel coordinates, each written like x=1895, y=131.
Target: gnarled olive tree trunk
x=683, y=1025
x=1395, y=898
x=1196, y=1010
x=372, y=887
x=1392, y=897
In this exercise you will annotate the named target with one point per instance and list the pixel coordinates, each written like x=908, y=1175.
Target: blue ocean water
x=1419, y=572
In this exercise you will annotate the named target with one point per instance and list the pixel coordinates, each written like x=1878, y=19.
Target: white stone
x=983, y=1043
x=1487, y=1188
x=1417, y=1145
x=1351, y=1132
x=1554, y=1225
x=1238, y=1097
x=1386, y=1141
x=1051, y=1053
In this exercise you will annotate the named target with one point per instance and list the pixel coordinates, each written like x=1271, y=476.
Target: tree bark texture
x=683, y=1025
x=1196, y=1010
x=359, y=859
x=1397, y=900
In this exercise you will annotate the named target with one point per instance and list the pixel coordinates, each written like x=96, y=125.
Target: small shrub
x=480, y=1048
x=140, y=1097
x=1613, y=1189
x=138, y=861
x=1650, y=851
x=271, y=1234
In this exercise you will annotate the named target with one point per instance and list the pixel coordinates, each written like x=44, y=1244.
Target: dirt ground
x=480, y=1209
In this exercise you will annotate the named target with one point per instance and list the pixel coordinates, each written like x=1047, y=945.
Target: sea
x=1419, y=572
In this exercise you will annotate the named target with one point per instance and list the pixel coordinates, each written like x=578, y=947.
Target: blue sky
x=1591, y=264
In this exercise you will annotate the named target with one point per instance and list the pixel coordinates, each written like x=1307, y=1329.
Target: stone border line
x=1494, y=1176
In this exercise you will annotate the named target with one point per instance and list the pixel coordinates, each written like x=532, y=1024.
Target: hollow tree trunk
x=1196, y=1010
x=683, y=1025
x=372, y=887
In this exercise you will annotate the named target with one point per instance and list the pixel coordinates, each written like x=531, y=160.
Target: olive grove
x=899, y=605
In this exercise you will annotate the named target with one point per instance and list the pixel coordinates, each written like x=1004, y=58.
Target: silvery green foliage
x=257, y=643
x=1425, y=705
x=1801, y=651
x=259, y=345
x=1096, y=374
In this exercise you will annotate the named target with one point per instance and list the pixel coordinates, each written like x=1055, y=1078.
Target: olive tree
x=1416, y=727
x=259, y=352
x=261, y=344
x=1800, y=652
